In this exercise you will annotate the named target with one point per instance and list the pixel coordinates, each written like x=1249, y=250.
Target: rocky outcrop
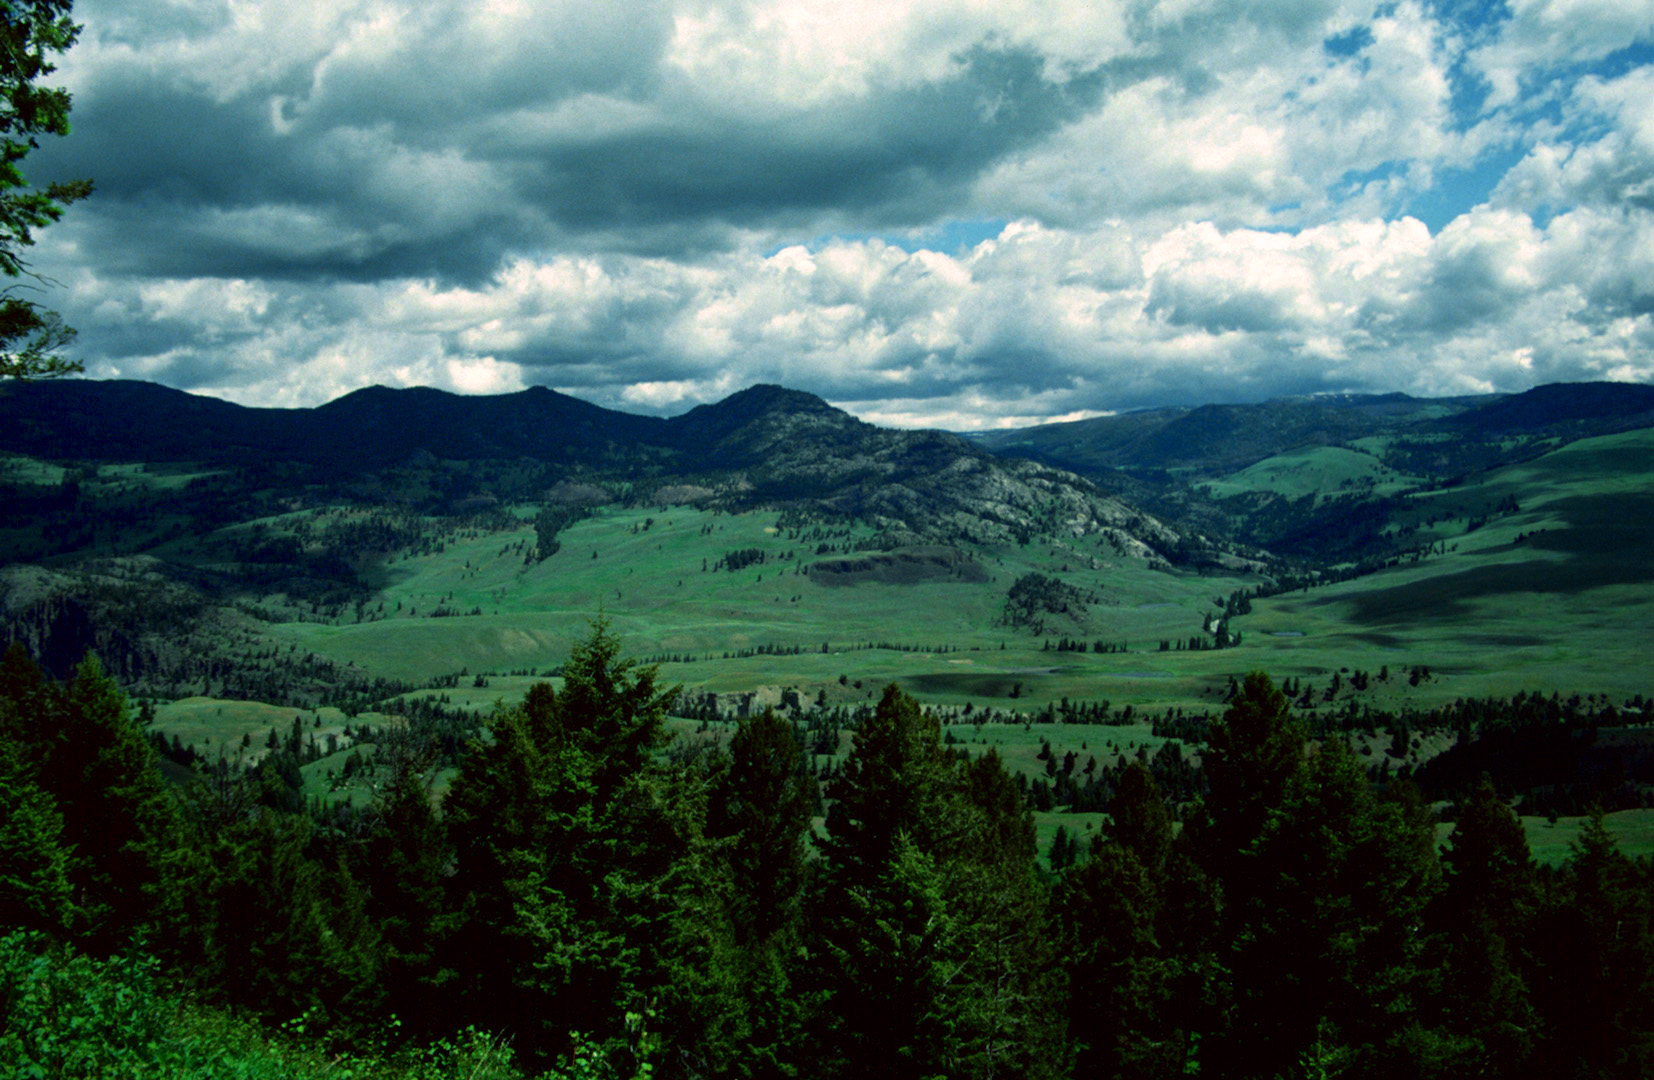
x=908, y=566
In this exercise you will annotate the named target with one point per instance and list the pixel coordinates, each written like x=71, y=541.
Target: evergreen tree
x=930, y=946
x=276, y=931
x=570, y=846
x=34, y=863
x=1252, y=754
x=1325, y=945
x=1138, y=820
x=34, y=860
x=1482, y=922
x=402, y=867
x=1594, y=944
x=751, y=873
x=762, y=804
x=1122, y=1016
x=101, y=774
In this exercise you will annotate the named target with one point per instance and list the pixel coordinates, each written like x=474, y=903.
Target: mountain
x=1215, y=439
x=1320, y=478
x=1212, y=440
x=766, y=445
x=1562, y=407
x=117, y=420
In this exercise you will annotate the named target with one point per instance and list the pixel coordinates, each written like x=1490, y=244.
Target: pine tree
x=34, y=859
x=570, y=845
x=1323, y=948
x=930, y=953
x=34, y=862
x=1596, y=947
x=762, y=804
x=403, y=865
x=1138, y=820
x=118, y=818
x=1482, y=923
x=1121, y=1010
x=276, y=931
x=30, y=32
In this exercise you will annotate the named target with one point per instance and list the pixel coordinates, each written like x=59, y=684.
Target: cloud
x=1034, y=321
x=654, y=204
x=1542, y=36
x=1605, y=157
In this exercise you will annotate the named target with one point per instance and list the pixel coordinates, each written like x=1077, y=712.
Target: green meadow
x=1554, y=595
x=209, y=724
x=654, y=576
x=1322, y=471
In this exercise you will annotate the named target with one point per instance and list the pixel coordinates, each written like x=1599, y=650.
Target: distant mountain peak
x=772, y=398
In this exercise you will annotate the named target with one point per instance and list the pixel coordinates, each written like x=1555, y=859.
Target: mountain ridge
x=766, y=445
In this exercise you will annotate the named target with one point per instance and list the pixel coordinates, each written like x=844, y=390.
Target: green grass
x=210, y=724
x=1563, y=607
x=1552, y=844
x=1313, y=470
x=1081, y=827
x=649, y=583
x=1555, y=596
x=1019, y=745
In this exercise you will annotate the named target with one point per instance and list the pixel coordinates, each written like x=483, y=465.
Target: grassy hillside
x=1540, y=581
x=661, y=579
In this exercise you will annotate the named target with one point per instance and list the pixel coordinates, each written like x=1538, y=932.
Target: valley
x=772, y=551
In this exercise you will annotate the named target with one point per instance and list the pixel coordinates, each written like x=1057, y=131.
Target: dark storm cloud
x=383, y=169
x=900, y=157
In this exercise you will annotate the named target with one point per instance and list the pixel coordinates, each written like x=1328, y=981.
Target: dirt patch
x=568, y=493
x=680, y=494
x=908, y=566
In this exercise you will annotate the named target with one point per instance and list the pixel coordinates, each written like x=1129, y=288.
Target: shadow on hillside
x=1607, y=542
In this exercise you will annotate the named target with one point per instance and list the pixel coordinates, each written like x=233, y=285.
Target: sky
x=954, y=213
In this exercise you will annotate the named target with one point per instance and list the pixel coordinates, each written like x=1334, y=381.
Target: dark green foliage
x=1138, y=820
x=268, y=927
x=551, y=521
x=1483, y=922
x=1034, y=597
x=1321, y=889
x=1251, y=756
x=930, y=952
x=402, y=867
x=34, y=863
x=91, y=806
x=1123, y=1017
x=64, y=1014
x=31, y=32
x=117, y=815
x=34, y=859
x=762, y=805
x=614, y=907
x=751, y=876
x=1594, y=944
x=567, y=856
x=1324, y=931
